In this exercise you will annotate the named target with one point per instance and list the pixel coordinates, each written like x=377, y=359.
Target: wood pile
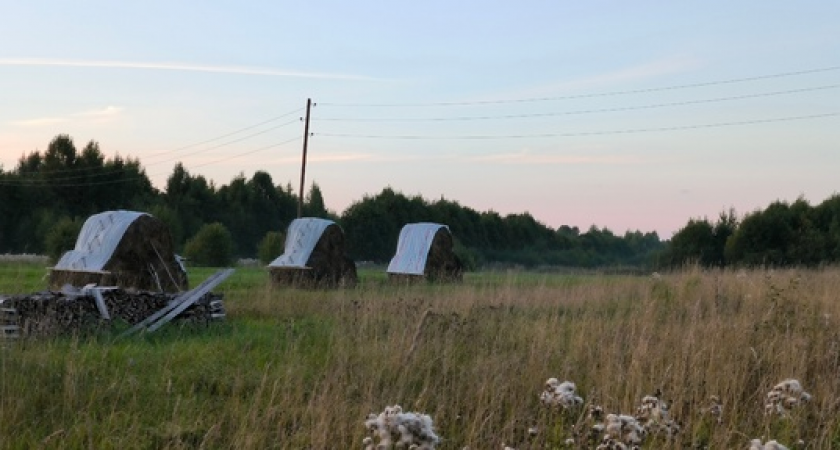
x=54, y=313
x=144, y=259
x=327, y=266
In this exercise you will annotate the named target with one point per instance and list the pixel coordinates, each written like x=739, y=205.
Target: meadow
x=302, y=369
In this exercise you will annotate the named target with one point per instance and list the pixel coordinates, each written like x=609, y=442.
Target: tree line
x=781, y=235
x=45, y=199
x=372, y=226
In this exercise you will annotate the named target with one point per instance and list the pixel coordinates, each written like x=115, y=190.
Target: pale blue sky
x=626, y=115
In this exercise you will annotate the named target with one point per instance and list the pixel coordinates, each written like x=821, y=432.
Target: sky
x=623, y=115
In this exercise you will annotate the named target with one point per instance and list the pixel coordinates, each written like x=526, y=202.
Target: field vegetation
x=302, y=369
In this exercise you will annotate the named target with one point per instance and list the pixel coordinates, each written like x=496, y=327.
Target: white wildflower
x=756, y=444
x=368, y=443
x=612, y=444
x=560, y=395
x=653, y=416
x=623, y=428
x=614, y=431
x=403, y=429
x=785, y=396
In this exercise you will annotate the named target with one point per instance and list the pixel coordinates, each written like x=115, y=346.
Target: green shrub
x=469, y=257
x=61, y=237
x=271, y=246
x=211, y=246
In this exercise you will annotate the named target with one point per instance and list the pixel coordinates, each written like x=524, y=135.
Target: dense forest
x=46, y=198
x=782, y=235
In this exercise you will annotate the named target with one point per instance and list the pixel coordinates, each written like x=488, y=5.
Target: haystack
x=127, y=249
x=314, y=256
x=425, y=252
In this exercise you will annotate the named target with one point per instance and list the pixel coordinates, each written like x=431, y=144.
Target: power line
x=249, y=152
x=207, y=141
x=76, y=174
x=581, y=96
x=579, y=134
x=273, y=119
x=226, y=143
x=50, y=183
x=578, y=112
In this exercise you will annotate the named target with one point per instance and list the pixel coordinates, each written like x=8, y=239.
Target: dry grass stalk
x=328, y=358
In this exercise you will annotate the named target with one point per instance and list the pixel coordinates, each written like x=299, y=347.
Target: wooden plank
x=192, y=297
x=100, y=303
x=217, y=310
x=8, y=322
x=178, y=301
x=9, y=331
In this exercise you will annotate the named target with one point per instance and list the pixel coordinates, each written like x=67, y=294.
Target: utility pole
x=303, y=164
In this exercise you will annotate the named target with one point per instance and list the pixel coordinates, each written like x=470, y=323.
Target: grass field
x=299, y=369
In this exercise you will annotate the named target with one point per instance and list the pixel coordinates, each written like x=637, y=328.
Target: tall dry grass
x=302, y=369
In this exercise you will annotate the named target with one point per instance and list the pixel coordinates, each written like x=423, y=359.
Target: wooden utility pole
x=303, y=163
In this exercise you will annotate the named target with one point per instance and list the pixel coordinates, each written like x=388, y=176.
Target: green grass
x=19, y=278
x=295, y=369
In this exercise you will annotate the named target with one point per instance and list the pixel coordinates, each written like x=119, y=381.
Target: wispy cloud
x=95, y=115
x=527, y=157
x=608, y=80
x=645, y=71
x=103, y=113
x=230, y=69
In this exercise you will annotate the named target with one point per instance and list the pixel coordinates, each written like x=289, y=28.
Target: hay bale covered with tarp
x=127, y=249
x=314, y=256
x=425, y=252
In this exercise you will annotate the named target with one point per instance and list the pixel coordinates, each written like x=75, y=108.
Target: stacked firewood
x=55, y=313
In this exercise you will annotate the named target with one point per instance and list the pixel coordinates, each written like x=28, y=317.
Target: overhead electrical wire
x=225, y=143
x=592, y=95
x=273, y=119
x=77, y=174
x=51, y=183
x=574, y=112
x=577, y=134
x=251, y=152
x=553, y=134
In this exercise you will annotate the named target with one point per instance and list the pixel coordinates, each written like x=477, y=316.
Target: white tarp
x=301, y=238
x=413, y=248
x=100, y=236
